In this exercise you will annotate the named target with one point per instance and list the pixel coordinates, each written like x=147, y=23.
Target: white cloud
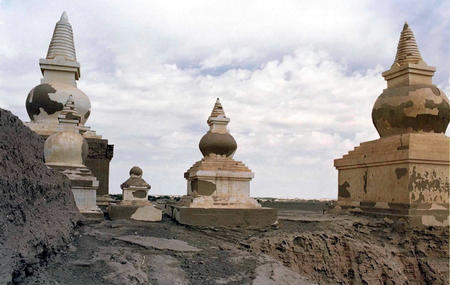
x=297, y=78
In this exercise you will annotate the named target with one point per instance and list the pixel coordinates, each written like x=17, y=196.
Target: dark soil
x=312, y=248
x=37, y=210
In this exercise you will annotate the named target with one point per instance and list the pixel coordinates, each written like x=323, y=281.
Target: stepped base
x=223, y=217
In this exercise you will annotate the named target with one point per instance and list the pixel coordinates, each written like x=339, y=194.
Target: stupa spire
x=62, y=41
x=407, y=49
x=217, y=109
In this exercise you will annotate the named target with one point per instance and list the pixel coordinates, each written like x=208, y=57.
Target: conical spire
x=218, y=109
x=407, y=50
x=62, y=41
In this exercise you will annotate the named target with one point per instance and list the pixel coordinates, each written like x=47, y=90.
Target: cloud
x=297, y=78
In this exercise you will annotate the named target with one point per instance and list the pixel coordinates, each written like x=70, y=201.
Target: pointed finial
x=64, y=18
x=407, y=49
x=405, y=26
x=217, y=109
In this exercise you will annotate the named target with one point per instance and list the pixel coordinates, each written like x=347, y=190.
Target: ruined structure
x=66, y=151
x=405, y=172
x=135, y=204
x=45, y=102
x=218, y=187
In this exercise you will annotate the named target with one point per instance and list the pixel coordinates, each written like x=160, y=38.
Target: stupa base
x=92, y=215
x=416, y=215
x=148, y=213
x=398, y=176
x=223, y=217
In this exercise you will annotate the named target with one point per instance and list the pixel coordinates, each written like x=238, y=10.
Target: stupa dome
x=65, y=149
x=411, y=103
x=218, y=140
x=46, y=101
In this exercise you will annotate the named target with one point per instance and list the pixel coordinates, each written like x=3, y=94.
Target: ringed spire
x=62, y=43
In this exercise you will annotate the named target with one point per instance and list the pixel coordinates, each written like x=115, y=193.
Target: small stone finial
x=136, y=171
x=135, y=180
x=217, y=109
x=407, y=49
x=62, y=41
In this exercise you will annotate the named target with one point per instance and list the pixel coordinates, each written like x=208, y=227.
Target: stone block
x=223, y=217
x=146, y=213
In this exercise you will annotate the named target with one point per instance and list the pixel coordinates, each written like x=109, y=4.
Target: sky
x=298, y=79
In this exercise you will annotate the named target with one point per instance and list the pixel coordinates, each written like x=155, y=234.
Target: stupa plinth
x=45, y=102
x=405, y=173
x=65, y=151
x=135, y=204
x=218, y=187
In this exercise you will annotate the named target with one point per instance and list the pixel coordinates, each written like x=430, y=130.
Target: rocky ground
x=306, y=247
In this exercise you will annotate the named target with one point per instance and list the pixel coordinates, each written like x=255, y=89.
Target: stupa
x=65, y=151
x=405, y=173
x=45, y=102
x=218, y=187
x=135, y=204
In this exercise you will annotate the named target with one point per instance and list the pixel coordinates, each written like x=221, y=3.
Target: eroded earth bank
x=304, y=248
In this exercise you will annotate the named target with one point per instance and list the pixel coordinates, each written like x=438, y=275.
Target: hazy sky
x=297, y=78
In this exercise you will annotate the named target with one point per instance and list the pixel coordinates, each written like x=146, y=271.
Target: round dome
x=220, y=144
x=411, y=109
x=66, y=149
x=136, y=170
x=45, y=101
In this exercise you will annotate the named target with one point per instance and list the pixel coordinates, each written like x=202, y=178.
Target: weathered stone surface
x=158, y=243
x=406, y=175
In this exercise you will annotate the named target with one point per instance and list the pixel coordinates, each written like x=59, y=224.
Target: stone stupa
x=66, y=151
x=218, y=187
x=405, y=173
x=135, y=204
x=45, y=102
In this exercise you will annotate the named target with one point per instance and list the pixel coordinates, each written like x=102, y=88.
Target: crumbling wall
x=37, y=209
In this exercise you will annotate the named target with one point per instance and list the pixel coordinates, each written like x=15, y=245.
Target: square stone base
x=223, y=217
x=398, y=176
x=146, y=213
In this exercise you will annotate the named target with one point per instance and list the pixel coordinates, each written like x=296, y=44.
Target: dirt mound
x=37, y=209
x=356, y=250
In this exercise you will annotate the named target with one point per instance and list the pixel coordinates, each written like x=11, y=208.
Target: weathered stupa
x=45, y=102
x=406, y=172
x=218, y=187
x=66, y=151
x=135, y=204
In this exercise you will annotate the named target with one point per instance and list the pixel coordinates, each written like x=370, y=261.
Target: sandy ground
x=304, y=248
